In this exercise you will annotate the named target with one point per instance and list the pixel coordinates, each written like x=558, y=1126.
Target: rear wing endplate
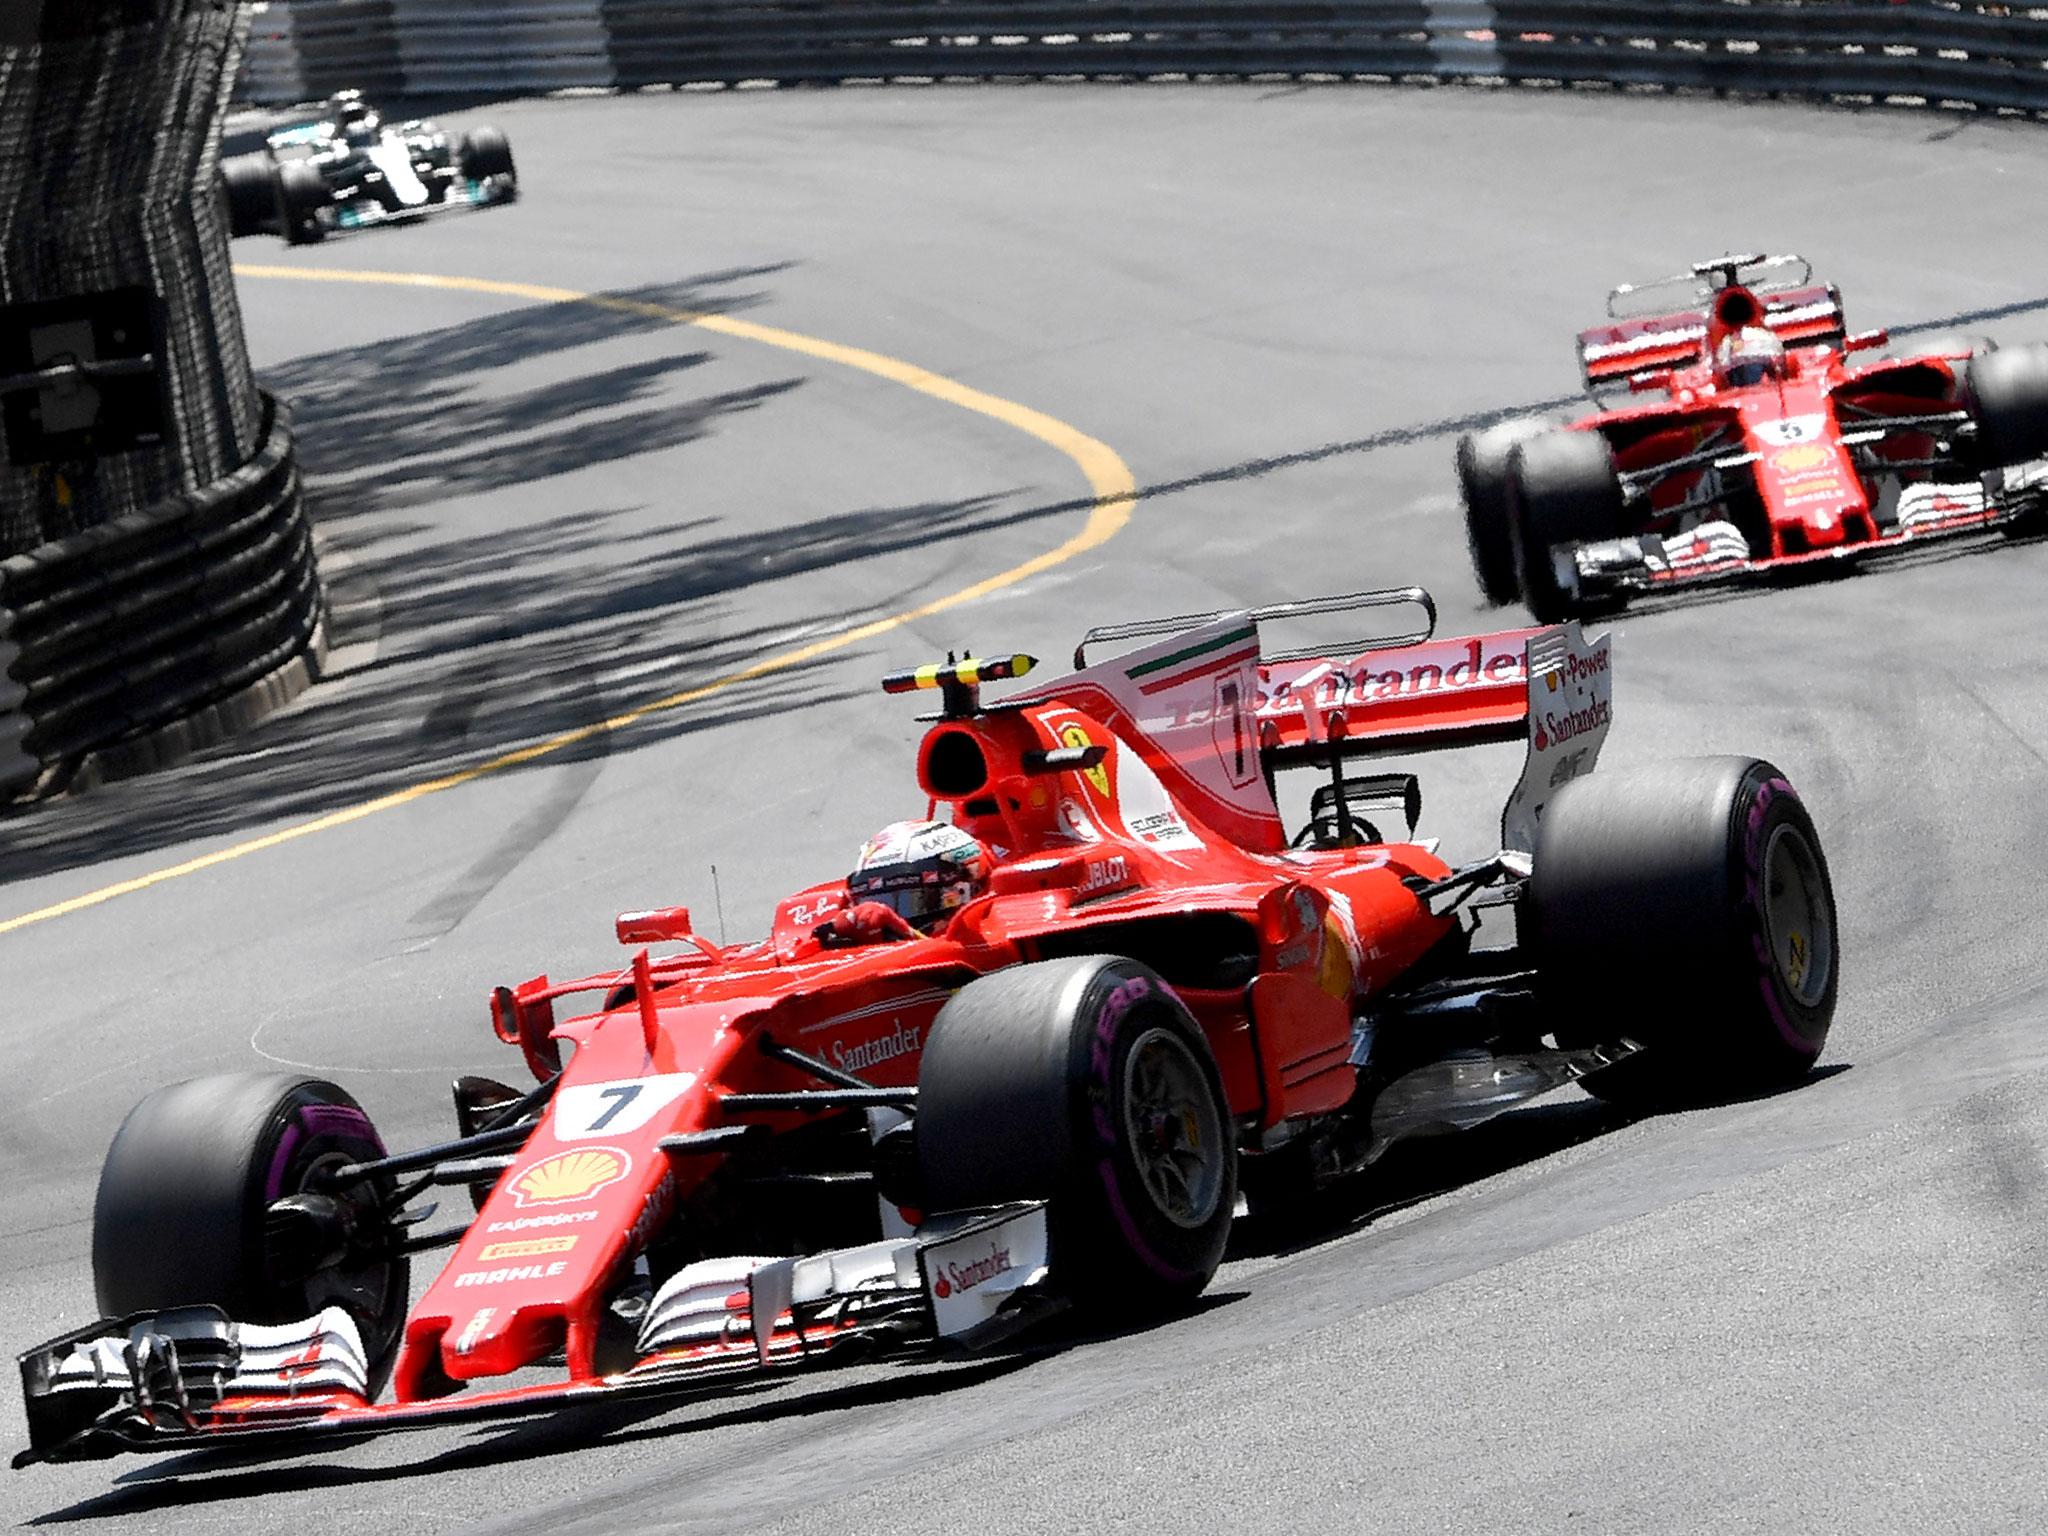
x=1570, y=707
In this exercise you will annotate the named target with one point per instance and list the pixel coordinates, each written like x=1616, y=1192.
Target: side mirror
x=525, y=1016
x=663, y=925
x=1863, y=341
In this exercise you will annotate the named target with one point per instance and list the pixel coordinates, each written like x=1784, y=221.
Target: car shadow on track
x=1425, y=1168
x=1422, y=1169
x=225, y=1476
x=1819, y=575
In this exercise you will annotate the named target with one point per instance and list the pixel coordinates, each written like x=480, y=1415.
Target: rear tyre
x=1483, y=484
x=1564, y=491
x=182, y=1215
x=1084, y=1082
x=248, y=184
x=1686, y=906
x=302, y=197
x=2007, y=397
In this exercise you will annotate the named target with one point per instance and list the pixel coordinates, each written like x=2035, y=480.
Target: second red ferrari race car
x=1772, y=437
x=1023, y=1059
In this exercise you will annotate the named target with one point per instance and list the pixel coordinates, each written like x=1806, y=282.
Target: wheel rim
x=370, y=1292
x=1797, y=921
x=1173, y=1129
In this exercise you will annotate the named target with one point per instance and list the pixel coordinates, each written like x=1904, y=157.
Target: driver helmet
x=354, y=118
x=1750, y=356
x=921, y=870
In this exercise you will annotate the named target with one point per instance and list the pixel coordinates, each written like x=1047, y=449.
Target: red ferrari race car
x=1770, y=440
x=1022, y=1060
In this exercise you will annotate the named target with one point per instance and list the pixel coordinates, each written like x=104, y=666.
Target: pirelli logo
x=526, y=1248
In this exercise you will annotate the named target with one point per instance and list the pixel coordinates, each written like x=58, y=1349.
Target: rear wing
x=1695, y=289
x=1546, y=686
x=1217, y=715
x=1414, y=697
x=1615, y=354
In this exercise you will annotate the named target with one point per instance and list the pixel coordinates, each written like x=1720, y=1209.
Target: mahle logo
x=568, y=1176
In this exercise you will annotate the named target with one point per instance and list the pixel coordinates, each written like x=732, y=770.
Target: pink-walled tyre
x=1685, y=906
x=1084, y=1082
x=186, y=1211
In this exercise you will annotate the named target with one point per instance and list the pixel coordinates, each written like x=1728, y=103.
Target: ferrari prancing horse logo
x=1077, y=736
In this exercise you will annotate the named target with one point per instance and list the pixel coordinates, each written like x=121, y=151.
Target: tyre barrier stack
x=1943, y=52
x=156, y=571
x=109, y=113
x=126, y=646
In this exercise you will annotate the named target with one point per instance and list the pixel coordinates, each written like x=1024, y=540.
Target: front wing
x=365, y=211
x=191, y=1376
x=1718, y=552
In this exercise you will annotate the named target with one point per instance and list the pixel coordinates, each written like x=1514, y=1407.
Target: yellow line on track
x=1108, y=476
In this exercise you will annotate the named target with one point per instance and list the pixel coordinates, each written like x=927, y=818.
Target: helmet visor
x=916, y=898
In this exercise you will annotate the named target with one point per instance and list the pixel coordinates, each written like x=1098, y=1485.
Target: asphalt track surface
x=1821, y=1311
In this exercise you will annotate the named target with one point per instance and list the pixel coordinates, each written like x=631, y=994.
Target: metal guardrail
x=1960, y=52
x=113, y=635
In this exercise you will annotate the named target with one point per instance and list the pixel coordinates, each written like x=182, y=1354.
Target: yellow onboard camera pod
x=960, y=681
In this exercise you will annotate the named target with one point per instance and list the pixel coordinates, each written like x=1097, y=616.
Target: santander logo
x=956, y=1279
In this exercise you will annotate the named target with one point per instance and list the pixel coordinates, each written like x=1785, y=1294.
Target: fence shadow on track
x=404, y=423
x=496, y=635
x=493, y=640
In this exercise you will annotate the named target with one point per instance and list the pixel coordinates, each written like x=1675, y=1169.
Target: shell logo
x=1810, y=456
x=568, y=1176
x=1077, y=736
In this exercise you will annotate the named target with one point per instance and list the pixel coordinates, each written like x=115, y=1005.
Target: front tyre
x=1085, y=1082
x=303, y=200
x=183, y=1215
x=1564, y=491
x=248, y=184
x=1686, y=906
x=2006, y=394
x=1483, y=488
x=486, y=157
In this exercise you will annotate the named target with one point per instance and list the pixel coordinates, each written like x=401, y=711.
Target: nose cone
x=1815, y=497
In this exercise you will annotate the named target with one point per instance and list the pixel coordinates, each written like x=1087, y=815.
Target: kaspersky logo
x=571, y=1176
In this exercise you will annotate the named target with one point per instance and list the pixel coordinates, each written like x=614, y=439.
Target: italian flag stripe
x=1160, y=663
